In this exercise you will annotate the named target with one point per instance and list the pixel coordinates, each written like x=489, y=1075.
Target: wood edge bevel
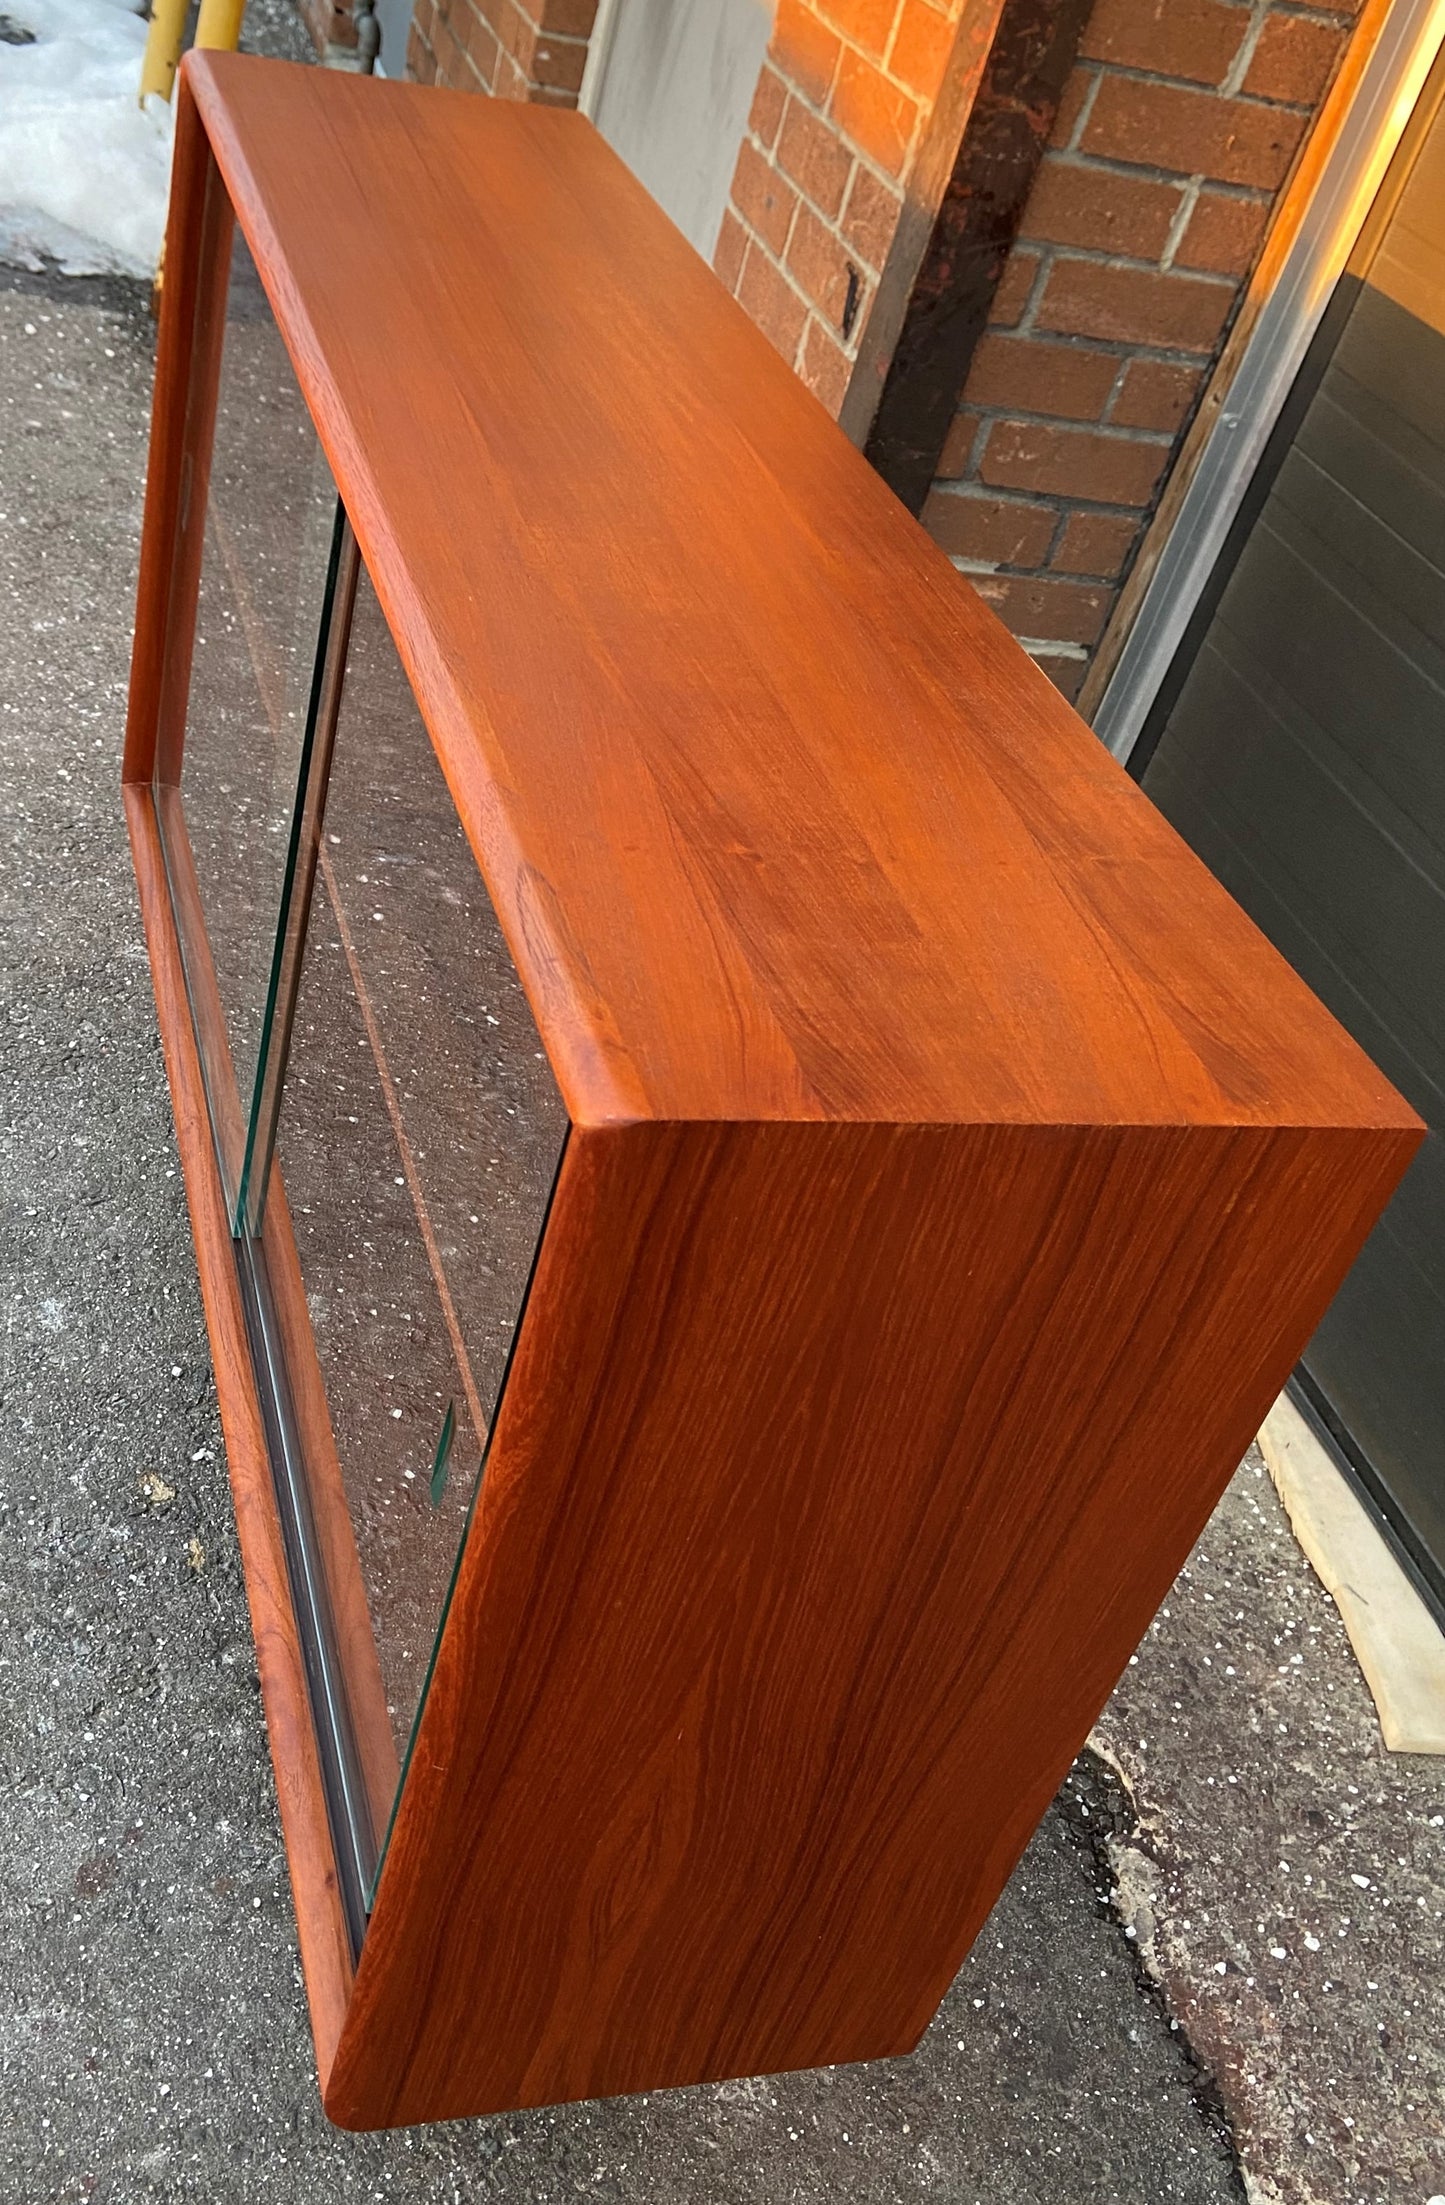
x=599, y=1083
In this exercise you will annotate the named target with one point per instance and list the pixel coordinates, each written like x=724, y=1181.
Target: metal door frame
x=1390, y=86
x=1400, y=92
x=599, y=49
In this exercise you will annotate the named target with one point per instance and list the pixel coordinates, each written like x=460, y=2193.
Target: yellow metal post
x=219, y=24
x=163, y=48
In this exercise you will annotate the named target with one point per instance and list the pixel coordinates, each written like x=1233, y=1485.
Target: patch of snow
x=84, y=168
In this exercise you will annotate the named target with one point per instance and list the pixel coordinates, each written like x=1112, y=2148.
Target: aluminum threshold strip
x=1355, y=1467
x=347, y=1806
x=1390, y=85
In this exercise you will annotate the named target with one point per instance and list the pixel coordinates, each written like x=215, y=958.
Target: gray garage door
x=1303, y=754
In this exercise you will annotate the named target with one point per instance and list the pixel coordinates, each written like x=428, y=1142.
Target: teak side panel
x=778, y=819
x=166, y=463
x=840, y=1471
x=199, y=229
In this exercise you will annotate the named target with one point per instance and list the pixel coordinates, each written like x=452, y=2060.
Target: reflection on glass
x=268, y=530
x=418, y=1140
x=352, y=996
x=292, y=921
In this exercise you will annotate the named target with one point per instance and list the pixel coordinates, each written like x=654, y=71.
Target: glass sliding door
x=418, y=1138
x=385, y=1122
x=263, y=597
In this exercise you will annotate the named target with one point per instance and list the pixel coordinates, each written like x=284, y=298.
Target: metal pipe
x=162, y=56
x=219, y=24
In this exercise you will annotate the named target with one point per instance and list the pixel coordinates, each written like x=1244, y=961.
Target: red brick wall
x=1177, y=129
x=535, y=51
x=842, y=108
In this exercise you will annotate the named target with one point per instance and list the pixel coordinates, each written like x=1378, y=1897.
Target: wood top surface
x=779, y=820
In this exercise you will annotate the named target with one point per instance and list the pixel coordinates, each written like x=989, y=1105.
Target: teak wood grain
x=778, y=819
x=841, y=1470
x=955, y=1173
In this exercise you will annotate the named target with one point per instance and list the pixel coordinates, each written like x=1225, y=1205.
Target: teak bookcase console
x=749, y=1192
